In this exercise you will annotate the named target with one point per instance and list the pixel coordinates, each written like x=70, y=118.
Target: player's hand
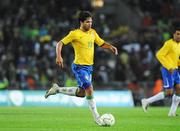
x=114, y=50
x=59, y=61
x=171, y=70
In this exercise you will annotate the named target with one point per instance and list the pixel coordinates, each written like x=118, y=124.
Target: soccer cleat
x=144, y=105
x=99, y=121
x=172, y=114
x=52, y=91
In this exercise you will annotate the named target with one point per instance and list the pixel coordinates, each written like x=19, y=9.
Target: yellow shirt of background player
x=83, y=44
x=169, y=54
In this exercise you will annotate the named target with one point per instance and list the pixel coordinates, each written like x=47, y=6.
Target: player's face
x=87, y=24
x=177, y=36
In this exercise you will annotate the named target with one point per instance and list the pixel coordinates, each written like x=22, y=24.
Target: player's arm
x=161, y=56
x=67, y=39
x=110, y=47
x=59, y=59
x=100, y=42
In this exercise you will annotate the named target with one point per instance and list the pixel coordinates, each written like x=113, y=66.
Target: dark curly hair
x=83, y=15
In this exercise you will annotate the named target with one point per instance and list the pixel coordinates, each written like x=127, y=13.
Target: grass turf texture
x=80, y=119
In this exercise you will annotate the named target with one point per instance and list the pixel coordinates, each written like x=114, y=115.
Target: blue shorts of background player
x=169, y=80
x=83, y=75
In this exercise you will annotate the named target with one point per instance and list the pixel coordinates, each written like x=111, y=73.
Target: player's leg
x=174, y=105
x=168, y=90
x=72, y=91
x=176, y=96
x=91, y=102
x=84, y=76
x=146, y=101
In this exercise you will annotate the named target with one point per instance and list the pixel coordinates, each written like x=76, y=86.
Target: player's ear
x=80, y=22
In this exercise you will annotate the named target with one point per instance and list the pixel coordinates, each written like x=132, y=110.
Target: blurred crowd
x=30, y=29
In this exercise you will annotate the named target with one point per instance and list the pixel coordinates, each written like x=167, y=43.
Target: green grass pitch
x=80, y=119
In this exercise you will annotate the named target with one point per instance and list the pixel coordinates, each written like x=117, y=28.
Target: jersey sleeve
x=98, y=40
x=68, y=38
x=161, y=55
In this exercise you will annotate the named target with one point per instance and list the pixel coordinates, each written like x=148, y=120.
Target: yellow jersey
x=169, y=54
x=83, y=44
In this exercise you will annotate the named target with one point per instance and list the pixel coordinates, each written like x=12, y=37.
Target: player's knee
x=89, y=90
x=168, y=93
x=81, y=93
x=178, y=89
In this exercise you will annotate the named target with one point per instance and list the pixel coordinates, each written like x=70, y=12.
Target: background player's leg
x=175, y=101
x=145, y=102
x=156, y=97
x=168, y=84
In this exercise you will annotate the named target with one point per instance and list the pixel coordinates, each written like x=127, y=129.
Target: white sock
x=156, y=97
x=68, y=90
x=174, y=105
x=178, y=98
x=92, y=107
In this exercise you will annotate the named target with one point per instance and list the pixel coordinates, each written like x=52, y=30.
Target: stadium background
x=30, y=29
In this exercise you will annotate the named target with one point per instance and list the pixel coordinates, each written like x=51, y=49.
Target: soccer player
x=168, y=56
x=82, y=40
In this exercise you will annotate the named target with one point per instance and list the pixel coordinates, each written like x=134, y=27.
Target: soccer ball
x=107, y=119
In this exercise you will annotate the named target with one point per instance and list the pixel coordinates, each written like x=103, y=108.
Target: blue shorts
x=169, y=80
x=83, y=75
